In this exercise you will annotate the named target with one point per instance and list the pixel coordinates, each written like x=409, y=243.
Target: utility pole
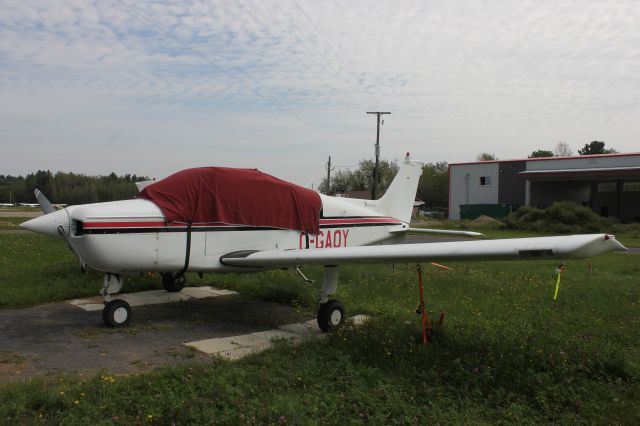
x=329, y=170
x=376, y=172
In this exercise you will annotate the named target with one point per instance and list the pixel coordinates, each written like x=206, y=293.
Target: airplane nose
x=48, y=224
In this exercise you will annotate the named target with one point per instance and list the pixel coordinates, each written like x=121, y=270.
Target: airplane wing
x=560, y=247
x=437, y=232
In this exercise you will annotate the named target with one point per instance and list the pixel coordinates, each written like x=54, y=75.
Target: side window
x=485, y=180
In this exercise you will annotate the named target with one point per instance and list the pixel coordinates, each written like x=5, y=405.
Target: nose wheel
x=116, y=313
x=331, y=316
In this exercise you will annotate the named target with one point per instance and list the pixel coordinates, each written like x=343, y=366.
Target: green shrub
x=563, y=217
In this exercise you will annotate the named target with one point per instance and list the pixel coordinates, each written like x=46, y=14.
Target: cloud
x=286, y=83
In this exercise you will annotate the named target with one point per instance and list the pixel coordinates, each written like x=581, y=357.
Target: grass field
x=506, y=353
x=20, y=209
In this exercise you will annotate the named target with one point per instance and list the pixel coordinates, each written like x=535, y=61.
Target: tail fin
x=398, y=201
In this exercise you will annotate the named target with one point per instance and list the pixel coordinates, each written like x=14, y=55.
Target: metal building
x=608, y=183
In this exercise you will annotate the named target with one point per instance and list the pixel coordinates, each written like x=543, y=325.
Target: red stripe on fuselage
x=161, y=224
x=364, y=220
x=91, y=225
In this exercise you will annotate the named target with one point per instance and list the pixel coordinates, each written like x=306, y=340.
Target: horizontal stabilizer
x=143, y=184
x=562, y=247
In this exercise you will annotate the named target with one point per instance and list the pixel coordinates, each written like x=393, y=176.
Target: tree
x=485, y=156
x=42, y=180
x=541, y=153
x=67, y=188
x=562, y=150
x=433, y=187
x=360, y=179
x=596, y=147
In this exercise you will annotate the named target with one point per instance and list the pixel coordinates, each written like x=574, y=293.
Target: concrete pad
x=206, y=291
x=197, y=292
x=89, y=307
x=77, y=302
x=275, y=334
x=251, y=341
x=235, y=347
x=311, y=323
x=236, y=354
x=223, y=292
x=214, y=346
x=153, y=297
x=302, y=329
x=224, y=345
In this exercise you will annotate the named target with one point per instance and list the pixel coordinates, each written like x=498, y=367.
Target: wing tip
x=617, y=244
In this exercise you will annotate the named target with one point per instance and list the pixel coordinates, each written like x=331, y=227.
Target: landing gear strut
x=173, y=282
x=116, y=312
x=331, y=313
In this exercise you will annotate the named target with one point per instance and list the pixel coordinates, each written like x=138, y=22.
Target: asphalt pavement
x=60, y=337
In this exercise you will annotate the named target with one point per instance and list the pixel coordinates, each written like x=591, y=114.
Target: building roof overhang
x=560, y=159
x=594, y=172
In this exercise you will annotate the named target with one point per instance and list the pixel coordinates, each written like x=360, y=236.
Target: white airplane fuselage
x=133, y=236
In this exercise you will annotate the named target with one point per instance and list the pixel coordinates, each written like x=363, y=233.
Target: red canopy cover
x=235, y=197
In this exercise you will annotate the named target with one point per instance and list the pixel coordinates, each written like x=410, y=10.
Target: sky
x=152, y=87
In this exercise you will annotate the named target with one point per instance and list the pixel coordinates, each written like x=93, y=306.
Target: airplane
x=223, y=220
x=7, y=205
x=33, y=205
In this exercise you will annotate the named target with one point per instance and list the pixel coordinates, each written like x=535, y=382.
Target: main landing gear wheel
x=173, y=282
x=116, y=313
x=331, y=316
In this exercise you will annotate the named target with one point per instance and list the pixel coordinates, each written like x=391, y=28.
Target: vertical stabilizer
x=398, y=201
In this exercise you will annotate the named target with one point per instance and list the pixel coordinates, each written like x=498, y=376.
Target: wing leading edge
x=564, y=247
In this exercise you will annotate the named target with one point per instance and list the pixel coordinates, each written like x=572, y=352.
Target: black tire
x=116, y=313
x=331, y=316
x=173, y=282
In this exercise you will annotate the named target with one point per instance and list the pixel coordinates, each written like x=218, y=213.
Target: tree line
x=562, y=149
x=433, y=187
x=68, y=188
